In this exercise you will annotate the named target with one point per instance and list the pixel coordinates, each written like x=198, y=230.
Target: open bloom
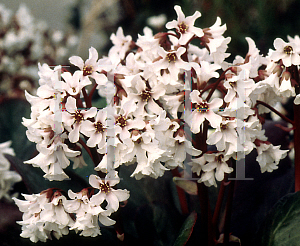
x=74, y=117
x=204, y=110
x=112, y=196
x=285, y=52
x=90, y=67
x=185, y=25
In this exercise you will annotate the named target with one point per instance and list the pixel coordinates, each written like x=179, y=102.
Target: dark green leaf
x=281, y=226
x=186, y=230
x=11, y=128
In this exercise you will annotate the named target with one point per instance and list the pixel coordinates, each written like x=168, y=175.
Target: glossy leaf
x=186, y=230
x=281, y=226
x=188, y=186
x=11, y=128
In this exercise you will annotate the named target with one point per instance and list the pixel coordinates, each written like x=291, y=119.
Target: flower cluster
x=157, y=90
x=7, y=177
x=50, y=213
x=24, y=42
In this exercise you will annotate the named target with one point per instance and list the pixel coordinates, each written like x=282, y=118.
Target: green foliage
x=186, y=230
x=281, y=226
x=11, y=128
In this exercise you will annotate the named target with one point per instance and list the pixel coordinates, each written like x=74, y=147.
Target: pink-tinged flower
x=73, y=118
x=204, y=110
x=90, y=68
x=286, y=52
x=112, y=196
x=185, y=25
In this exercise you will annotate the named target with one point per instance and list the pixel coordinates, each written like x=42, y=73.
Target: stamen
x=87, y=70
x=121, y=120
x=78, y=116
x=183, y=27
x=288, y=50
x=104, y=187
x=171, y=57
x=145, y=95
x=99, y=127
x=202, y=107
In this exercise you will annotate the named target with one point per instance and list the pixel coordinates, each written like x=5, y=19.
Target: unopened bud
x=179, y=132
x=278, y=70
x=286, y=75
x=122, y=93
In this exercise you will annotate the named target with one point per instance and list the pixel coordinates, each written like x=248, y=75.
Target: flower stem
x=273, y=110
x=228, y=212
x=297, y=146
x=181, y=194
x=219, y=203
x=222, y=77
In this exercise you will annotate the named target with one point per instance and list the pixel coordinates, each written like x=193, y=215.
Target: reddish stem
x=273, y=110
x=181, y=194
x=222, y=77
x=219, y=203
x=297, y=146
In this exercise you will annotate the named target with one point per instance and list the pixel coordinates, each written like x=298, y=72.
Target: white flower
x=121, y=46
x=204, y=110
x=269, y=156
x=297, y=99
x=96, y=131
x=112, y=196
x=157, y=21
x=90, y=67
x=173, y=62
x=185, y=26
x=73, y=84
x=285, y=52
x=7, y=178
x=73, y=118
x=217, y=161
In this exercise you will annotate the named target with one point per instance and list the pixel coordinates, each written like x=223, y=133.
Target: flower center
x=121, y=121
x=223, y=126
x=87, y=70
x=219, y=158
x=171, y=57
x=145, y=95
x=99, y=127
x=202, y=107
x=288, y=50
x=78, y=116
x=104, y=187
x=183, y=27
